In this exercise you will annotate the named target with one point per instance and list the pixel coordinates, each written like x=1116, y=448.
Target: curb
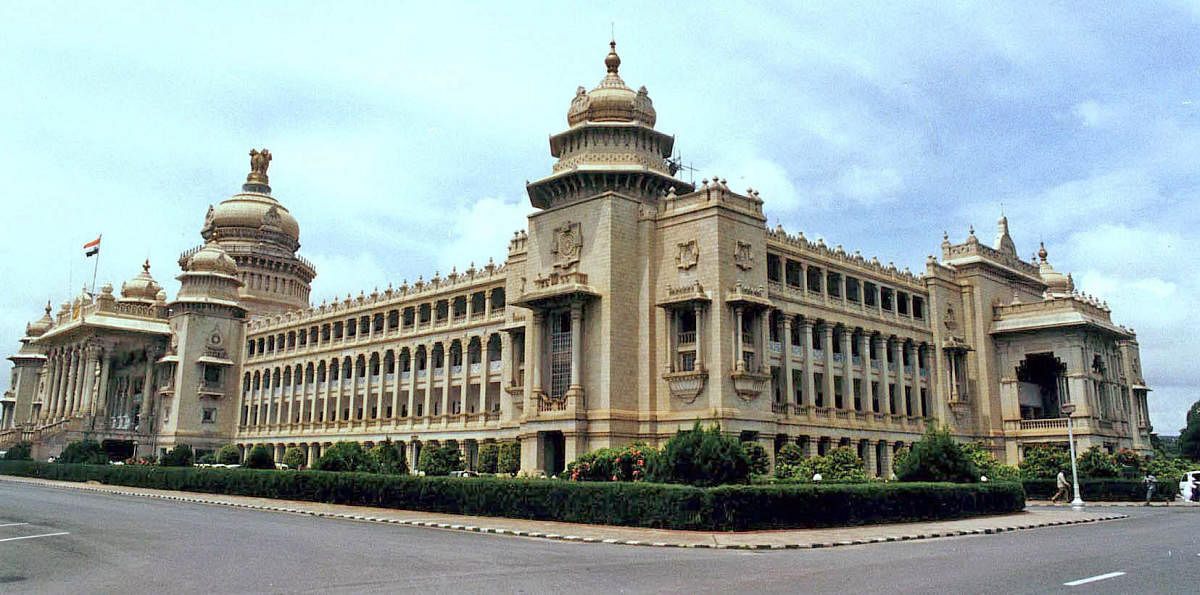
x=578, y=539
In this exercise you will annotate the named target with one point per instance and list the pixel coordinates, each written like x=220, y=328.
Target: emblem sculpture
x=259, y=162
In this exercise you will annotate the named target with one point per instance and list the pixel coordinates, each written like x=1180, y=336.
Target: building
x=634, y=304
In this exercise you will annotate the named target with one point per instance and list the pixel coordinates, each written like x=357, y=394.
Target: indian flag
x=92, y=248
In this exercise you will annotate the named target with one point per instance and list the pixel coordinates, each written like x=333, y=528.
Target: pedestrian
x=1061, y=482
x=1151, y=482
x=1196, y=488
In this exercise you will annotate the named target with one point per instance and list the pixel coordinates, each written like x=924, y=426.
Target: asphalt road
x=61, y=540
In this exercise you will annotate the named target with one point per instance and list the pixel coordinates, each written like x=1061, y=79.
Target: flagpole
x=96, y=265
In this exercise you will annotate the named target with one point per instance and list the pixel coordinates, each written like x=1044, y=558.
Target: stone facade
x=634, y=304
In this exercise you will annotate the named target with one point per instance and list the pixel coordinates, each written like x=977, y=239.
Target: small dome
x=142, y=288
x=611, y=100
x=1056, y=282
x=211, y=259
x=39, y=327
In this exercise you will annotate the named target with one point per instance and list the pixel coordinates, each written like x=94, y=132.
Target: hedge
x=736, y=508
x=1104, y=490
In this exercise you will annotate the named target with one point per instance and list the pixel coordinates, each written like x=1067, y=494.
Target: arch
x=475, y=350
x=389, y=362
x=246, y=381
x=495, y=347
x=393, y=320
x=405, y=360
x=321, y=376
x=497, y=298
x=377, y=322
x=257, y=380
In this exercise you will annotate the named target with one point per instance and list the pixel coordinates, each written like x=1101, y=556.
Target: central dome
x=611, y=100
x=251, y=210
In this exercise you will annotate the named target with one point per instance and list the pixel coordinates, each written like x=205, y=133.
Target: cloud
x=480, y=231
x=1093, y=115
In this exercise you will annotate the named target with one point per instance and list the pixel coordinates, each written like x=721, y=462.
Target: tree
x=440, y=460
x=760, y=463
x=1045, y=461
x=180, y=456
x=344, y=456
x=386, y=457
x=840, y=464
x=703, y=457
x=88, y=452
x=260, y=457
x=294, y=458
x=937, y=457
x=21, y=451
x=489, y=456
x=508, y=460
x=1096, y=463
x=1189, y=436
x=229, y=455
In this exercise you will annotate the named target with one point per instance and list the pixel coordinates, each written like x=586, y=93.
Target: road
x=62, y=540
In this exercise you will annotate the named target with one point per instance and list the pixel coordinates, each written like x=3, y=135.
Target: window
x=560, y=354
x=208, y=415
x=212, y=376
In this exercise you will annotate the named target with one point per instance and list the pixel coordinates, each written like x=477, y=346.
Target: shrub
x=83, y=451
x=1044, y=461
x=440, y=460
x=1096, y=463
x=259, y=457
x=790, y=454
x=489, y=455
x=703, y=457
x=841, y=464
x=1004, y=473
x=739, y=507
x=386, y=457
x=21, y=451
x=628, y=463
x=343, y=456
x=229, y=455
x=1105, y=489
x=1128, y=459
x=760, y=463
x=937, y=457
x=978, y=454
x=509, y=458
x=180, y=456
x=294, y=458
x=207, y=459
x=1167, y=468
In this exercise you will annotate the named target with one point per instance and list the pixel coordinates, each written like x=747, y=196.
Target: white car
x=1185, y=486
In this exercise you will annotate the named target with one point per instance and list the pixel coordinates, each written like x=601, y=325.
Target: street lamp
x=1068, y=409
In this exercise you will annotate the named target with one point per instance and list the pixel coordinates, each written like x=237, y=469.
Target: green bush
x=642, y=504
x=386, y=457
x=260, y=457
x=489, y=456
x=509, y=458
x=1045, y=461
x=702, y=457
x=21, y=451
x=440, y=460
x=760, y=463
x=1096, y=463
x=790, y=454
x=1105, y=490
x=180, y=456
x=1003, y=473
x=207, y=458
x=1127, y=459
x=294, y=457
x=841, y=465
x=229, y=455
x=344, y=456
x=627, y=463
x=1167, y=468
x=937, y=457
x=83, y=451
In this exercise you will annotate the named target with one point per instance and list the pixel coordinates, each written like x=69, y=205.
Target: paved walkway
x=778, y=539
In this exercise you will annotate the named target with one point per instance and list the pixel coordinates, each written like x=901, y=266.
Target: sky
x=403, y=134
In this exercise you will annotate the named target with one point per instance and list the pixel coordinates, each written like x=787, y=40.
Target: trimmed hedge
x=727, y=508
x=1104, y=490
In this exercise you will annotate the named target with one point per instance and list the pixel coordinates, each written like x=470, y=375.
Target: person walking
x=1151, y=483
x=1063, y=484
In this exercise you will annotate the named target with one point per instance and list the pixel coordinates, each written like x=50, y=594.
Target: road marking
x=35, y=536
x=13, y=524
x=1092, y=579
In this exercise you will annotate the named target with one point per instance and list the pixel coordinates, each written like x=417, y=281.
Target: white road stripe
x=13, y=524
x=35, y=536
x=1092, y=579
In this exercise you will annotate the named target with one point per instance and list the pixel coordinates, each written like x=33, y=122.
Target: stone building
x=634, y=304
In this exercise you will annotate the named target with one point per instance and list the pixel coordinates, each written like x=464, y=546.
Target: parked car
x=1185, y=486
x=463, y=474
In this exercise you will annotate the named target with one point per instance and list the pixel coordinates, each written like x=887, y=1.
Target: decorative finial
x=259, y=162
x=146, y=266
x=1042, y=254
x=47, y=307
x=612, y=61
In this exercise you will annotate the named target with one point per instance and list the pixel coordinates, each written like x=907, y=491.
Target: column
x=395, y=383
x=896, y=346
x=427, y=402
x=914, y=380
x=576, y=345
x=885, y=459
x=699, y=336
x=881, y=345
x=337, y=398
x=465, y=379
x=826, y=331
x=485, y=369
x=864, y=350
x=64, y=400
x=672, y=321
x=148, y=392
x=806, y=327
x=446, y=378
x=412, y=382
x=51, y=387
x=787, y=359
x=100, y=407
x=739, y=363
x=533, y=353
x=847, y=363
x=869, y=458
x=87, y=406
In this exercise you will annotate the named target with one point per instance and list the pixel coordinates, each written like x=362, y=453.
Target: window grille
x=560, y=355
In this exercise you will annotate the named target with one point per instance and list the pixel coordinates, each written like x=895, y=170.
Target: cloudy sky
x=403, y=134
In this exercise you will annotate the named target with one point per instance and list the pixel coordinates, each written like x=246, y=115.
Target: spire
x=1004, y=241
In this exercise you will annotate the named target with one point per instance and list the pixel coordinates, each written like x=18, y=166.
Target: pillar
x=52, y=386
x=869, y=458
x=881, y=345
x=806, y=327
x=739, y=362
x=914, y=380
x=64, y=400
x=787, y=359
x=827, y=343
x=847, y=363
x=148, y=399
x=699, y=337
x=864, y=350
x=576, y=345
x=898, y=357
x=446, y=378
x=533, y=352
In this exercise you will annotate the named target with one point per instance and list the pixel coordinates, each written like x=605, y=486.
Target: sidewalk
x=778, y=539
x=1111, y=504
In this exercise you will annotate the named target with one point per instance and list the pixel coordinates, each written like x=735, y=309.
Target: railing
x=405, y=375
x=747, y=337
x=439, y=372
x=1044, y=424
x=839, y=357
x=818, y=354
x=776, y=347
x=797, y=350
x=779, y=408
x=456, y=370
x=495, y=365
x=687, y=337
x=476, y=368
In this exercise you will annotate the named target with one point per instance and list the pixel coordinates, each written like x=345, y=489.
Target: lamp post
x=1069, y=409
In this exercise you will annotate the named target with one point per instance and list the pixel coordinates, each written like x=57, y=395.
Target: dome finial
x=257, y=180
x=1042, y=254
x=612, y=61
x=146, y=266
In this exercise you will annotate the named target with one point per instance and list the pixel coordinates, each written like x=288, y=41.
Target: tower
x=262, y=238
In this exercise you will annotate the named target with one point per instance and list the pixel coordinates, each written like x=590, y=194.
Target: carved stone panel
x=743, y=255
x=689, y=255
x=567, y=245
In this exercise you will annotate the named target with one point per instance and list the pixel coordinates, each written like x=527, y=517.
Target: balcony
x=1044, y=424
x=687, y=338
x=776, y=347
x=686, y=386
